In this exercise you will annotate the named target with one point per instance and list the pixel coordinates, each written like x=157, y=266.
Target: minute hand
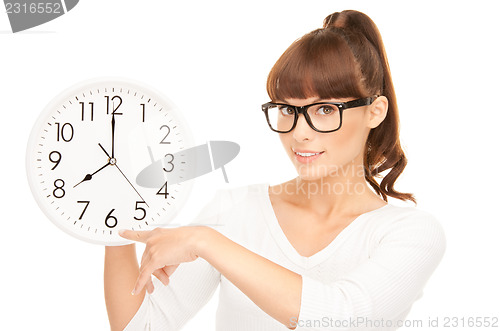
x=113, y=136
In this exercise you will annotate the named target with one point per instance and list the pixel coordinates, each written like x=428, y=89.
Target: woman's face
x=341, y=150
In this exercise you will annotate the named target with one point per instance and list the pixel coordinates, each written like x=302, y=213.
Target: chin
x=314, y=172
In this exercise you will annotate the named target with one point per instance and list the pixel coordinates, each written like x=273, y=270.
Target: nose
x=302, y=130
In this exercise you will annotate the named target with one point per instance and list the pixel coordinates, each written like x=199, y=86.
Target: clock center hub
x=112, y=161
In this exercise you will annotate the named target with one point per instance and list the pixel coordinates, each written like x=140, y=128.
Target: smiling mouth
x=306, y=157
x=307, y=154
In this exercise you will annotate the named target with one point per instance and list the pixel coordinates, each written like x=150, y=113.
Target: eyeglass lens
x=324, y=117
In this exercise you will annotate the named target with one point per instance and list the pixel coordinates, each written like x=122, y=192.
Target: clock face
x=88, y=147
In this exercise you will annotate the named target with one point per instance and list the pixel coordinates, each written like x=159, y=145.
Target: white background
x=212, y=59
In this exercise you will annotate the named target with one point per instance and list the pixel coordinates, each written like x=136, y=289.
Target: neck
x=342, y=193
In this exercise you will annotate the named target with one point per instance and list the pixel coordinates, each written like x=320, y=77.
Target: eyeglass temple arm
x=361, y=102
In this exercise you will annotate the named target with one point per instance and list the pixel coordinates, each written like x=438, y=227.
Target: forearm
x=121, y=270
x=273, y=288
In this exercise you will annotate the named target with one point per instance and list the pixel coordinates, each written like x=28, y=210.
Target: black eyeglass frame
x=303, y=110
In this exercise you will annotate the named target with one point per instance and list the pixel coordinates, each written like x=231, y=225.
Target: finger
x=145, y=256
x=162, y=276
x=149, y=286
x=145, y=261
x=143, y=278
x=141, y=236
x=169, y=269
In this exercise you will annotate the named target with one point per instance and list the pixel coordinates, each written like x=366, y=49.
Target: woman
x=321, y=251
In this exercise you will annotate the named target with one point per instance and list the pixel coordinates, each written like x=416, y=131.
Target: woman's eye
x=325, y=110
x=286, y=110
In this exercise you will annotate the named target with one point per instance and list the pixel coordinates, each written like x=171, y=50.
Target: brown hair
x=346, y=58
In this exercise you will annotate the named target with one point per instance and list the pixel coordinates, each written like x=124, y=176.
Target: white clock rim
x=63, y=96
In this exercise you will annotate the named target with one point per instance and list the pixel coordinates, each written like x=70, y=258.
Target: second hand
x=116, y=165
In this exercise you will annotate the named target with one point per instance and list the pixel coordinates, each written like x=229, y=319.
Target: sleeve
x=191, y=286
x=382, y=288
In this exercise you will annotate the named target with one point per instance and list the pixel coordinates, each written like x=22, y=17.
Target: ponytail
x=383, y=149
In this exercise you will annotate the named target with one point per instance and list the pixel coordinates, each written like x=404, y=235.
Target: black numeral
x=113, y=222
x=168, y=132
x=143, y=112
x=84, y=209
x=58, y=189
x=91, y=111
x=55, y=161
x=62, y=131
x=163, y=193
x=140, y=208
x=115, y=108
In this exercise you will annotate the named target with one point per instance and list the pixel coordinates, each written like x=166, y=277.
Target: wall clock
x=87, y=148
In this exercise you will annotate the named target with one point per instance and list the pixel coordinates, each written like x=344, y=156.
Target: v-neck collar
x=306, y=262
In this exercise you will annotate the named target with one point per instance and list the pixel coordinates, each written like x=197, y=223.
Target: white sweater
x=370, y=273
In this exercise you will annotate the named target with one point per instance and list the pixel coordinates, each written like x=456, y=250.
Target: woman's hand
x=165, y=250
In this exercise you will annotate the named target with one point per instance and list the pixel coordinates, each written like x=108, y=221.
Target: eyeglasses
x=322, y=116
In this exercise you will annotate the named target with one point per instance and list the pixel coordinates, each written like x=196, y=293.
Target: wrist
x=200, y=240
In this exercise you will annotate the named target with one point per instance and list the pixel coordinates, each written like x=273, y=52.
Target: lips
x=306, y=156
x=306, y=152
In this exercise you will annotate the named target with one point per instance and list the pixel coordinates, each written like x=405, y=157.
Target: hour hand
x=89, y=176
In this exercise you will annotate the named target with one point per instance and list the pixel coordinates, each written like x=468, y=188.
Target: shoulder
x=409, y=226
x=231, y=196
x=234, y=209
x=227, y=200
x=409, y=217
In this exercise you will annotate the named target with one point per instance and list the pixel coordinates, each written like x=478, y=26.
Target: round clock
x=87, y=148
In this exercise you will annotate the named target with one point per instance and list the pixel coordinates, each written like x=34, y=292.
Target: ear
x=377, y=111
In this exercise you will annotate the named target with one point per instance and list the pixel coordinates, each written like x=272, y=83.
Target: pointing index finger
x=141, y=236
